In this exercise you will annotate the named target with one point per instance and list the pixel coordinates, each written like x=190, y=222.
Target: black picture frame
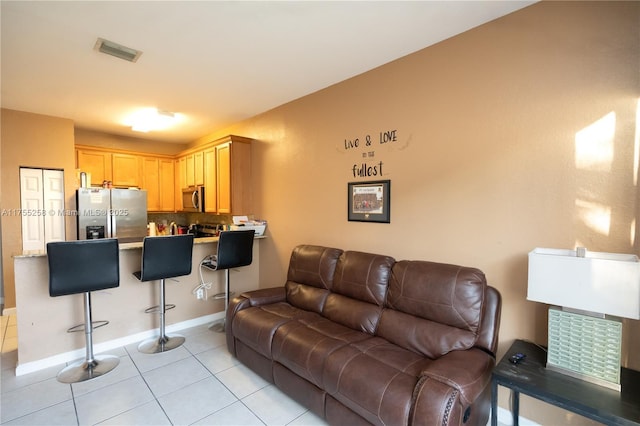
x=369, y=201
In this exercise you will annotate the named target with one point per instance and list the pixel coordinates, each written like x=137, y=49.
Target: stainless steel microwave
x=193, y=199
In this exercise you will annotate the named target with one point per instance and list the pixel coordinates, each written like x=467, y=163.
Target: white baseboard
x=30, y=367
x=8, y=311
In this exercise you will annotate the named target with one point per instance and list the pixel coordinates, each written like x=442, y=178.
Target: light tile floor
x=199, y=383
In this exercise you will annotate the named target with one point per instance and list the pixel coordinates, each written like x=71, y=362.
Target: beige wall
x=31, y=140
x=486, y=166
x=488, y=163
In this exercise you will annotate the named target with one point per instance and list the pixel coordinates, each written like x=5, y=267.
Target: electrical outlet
x=200, y=294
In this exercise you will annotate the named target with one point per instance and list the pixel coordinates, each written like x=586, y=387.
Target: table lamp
x=590, y=293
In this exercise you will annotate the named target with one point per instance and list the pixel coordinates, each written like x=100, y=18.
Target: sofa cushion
x=363, y=276
x=352, y=313
x=305, y=296
x=313, y=265
x=303, y=345
x=375, y=379
x=310, y=276
x=256, y=326
x=359, y=290
x=434, y=308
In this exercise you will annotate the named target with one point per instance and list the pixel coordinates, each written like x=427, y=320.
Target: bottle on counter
x=153, y=231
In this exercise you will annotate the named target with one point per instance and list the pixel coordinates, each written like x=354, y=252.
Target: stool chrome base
x=160, y=344
x=85, y=370
x=219, y=326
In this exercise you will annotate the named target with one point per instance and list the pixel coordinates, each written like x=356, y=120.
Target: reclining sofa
x=359, y=338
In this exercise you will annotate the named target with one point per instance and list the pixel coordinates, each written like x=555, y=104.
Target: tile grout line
x=127, y=354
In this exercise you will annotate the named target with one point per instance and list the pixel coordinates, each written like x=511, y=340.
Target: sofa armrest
x=246, y=300
x=265, y=296
x=468, y=371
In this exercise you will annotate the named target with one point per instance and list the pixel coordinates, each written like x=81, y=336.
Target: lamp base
x=613, y=386
x=585, y=347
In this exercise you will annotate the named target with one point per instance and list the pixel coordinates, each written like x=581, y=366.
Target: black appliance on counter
x=202, y=230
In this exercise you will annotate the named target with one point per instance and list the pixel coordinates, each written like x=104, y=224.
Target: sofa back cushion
x=310, y=276
x=359, y=290
x=433, y=308
x=363, y=276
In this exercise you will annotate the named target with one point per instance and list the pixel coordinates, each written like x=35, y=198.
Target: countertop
x=123, y=246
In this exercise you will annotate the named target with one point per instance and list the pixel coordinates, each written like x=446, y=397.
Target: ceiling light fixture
x=149, y=119
x=117, y=50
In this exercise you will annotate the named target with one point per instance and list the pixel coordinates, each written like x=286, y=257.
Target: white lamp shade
x=605, y=283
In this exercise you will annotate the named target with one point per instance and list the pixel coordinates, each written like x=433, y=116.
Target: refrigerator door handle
x=108, y=233
x=112, y=219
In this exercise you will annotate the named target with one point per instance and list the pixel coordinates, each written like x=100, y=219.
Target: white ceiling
x=214, y=62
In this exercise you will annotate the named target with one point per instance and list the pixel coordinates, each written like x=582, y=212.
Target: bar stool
x=164, y=257
x=82, y=267
x=235, y=249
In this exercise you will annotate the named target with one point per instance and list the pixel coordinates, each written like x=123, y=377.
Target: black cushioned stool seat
x=235, y=249
x=164, y=257
x=82, y=267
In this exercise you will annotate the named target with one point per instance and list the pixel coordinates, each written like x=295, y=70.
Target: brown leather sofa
x=360, y=338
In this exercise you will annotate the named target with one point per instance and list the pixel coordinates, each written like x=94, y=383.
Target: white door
x=53, y=184
x=31, y=202
x=41, y=207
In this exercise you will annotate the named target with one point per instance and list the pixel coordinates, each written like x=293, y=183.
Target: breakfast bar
x=43, y=320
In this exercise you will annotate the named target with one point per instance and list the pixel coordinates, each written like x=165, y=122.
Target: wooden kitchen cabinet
x=193, y=169
x=167, y=185
x=198, y=167
x=150, y=182
x=223, y=166
x=159, y=182
x=223, y=177
x=233, y=177
x=95, y=162
x=181, y=173
x=125, y=170
x=209, y=172
x=190, y=170
x=181, y=180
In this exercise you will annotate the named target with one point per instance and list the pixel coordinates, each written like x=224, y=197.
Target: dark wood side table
x=530, y=377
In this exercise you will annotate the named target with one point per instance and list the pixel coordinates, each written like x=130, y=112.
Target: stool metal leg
x=163, y=343
x=92, y=366
x=220, y=325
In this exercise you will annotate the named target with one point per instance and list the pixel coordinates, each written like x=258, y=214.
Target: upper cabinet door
x=150, y=182
x=167, y=180
x=190, y=170
x=198, y=167
x=210, y=190
x=223, y=174
x=159, y=181
x=126, y=170
x=233, y=160
x=97, y=163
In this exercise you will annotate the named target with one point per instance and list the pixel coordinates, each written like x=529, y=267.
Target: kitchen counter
x=123, y=246
x=43, y=320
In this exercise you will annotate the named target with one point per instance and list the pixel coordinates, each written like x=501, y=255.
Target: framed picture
x=369, y=201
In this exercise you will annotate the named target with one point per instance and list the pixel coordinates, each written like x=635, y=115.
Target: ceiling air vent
x=117, y=50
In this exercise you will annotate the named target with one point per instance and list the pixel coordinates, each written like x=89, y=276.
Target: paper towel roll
x=152, y=229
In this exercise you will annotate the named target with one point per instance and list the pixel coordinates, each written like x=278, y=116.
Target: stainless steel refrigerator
x=112, y=213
